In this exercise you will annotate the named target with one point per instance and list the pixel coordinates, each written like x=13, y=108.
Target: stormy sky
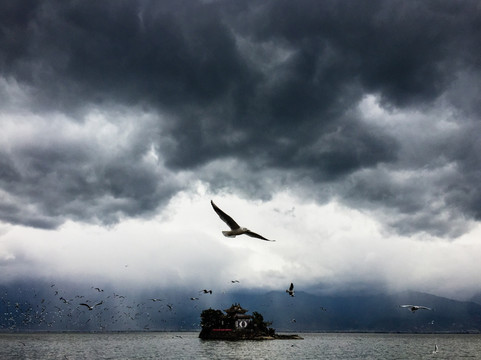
x=347, y=131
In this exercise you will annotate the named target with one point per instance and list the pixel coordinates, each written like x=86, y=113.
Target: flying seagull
x=414, y=308
x=91, y=307
x=290, y=291
x=235, y=229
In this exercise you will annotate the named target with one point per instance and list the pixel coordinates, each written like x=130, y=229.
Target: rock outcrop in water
x=235, y=324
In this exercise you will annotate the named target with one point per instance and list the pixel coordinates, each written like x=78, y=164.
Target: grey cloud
x=134, y=52
x=161, y=53
x=48, y=184
x=404, y=50
x=271, y=84
x=409, y=204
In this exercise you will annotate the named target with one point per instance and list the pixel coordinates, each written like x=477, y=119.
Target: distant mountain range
x=50, y=307
x=476, y=298
x=365, y=313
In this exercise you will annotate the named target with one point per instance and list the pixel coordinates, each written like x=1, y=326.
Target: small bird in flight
x=235, y=229
x=415, y=308
x=290, y=291
x=91, y=307
x=205, y=291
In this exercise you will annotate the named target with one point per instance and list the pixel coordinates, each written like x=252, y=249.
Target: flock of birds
x=95, y=309
x=107, y=311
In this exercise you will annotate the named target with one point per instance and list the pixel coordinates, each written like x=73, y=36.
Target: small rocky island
x=235, y=324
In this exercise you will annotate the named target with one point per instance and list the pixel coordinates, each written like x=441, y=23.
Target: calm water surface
x=189, y=346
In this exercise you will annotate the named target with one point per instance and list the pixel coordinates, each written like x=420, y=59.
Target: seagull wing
x=424, y=307
x=87, y=305
x=225, y=218
x=254, y=235
x=406, y=306
x=291, y=287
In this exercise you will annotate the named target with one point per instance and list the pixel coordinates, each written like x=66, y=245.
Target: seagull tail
x=228, y=234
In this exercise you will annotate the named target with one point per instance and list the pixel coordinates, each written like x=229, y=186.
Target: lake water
x=188, y=346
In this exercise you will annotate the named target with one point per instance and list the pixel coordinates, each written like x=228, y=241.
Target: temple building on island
x=237, y=315
x=235, y=324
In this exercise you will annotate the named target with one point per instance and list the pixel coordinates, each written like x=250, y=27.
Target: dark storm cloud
x=70, y=184
x=273, y=84
x=140, y=52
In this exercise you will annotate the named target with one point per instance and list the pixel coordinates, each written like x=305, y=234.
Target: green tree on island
x=259, y=324
x=211, y=319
